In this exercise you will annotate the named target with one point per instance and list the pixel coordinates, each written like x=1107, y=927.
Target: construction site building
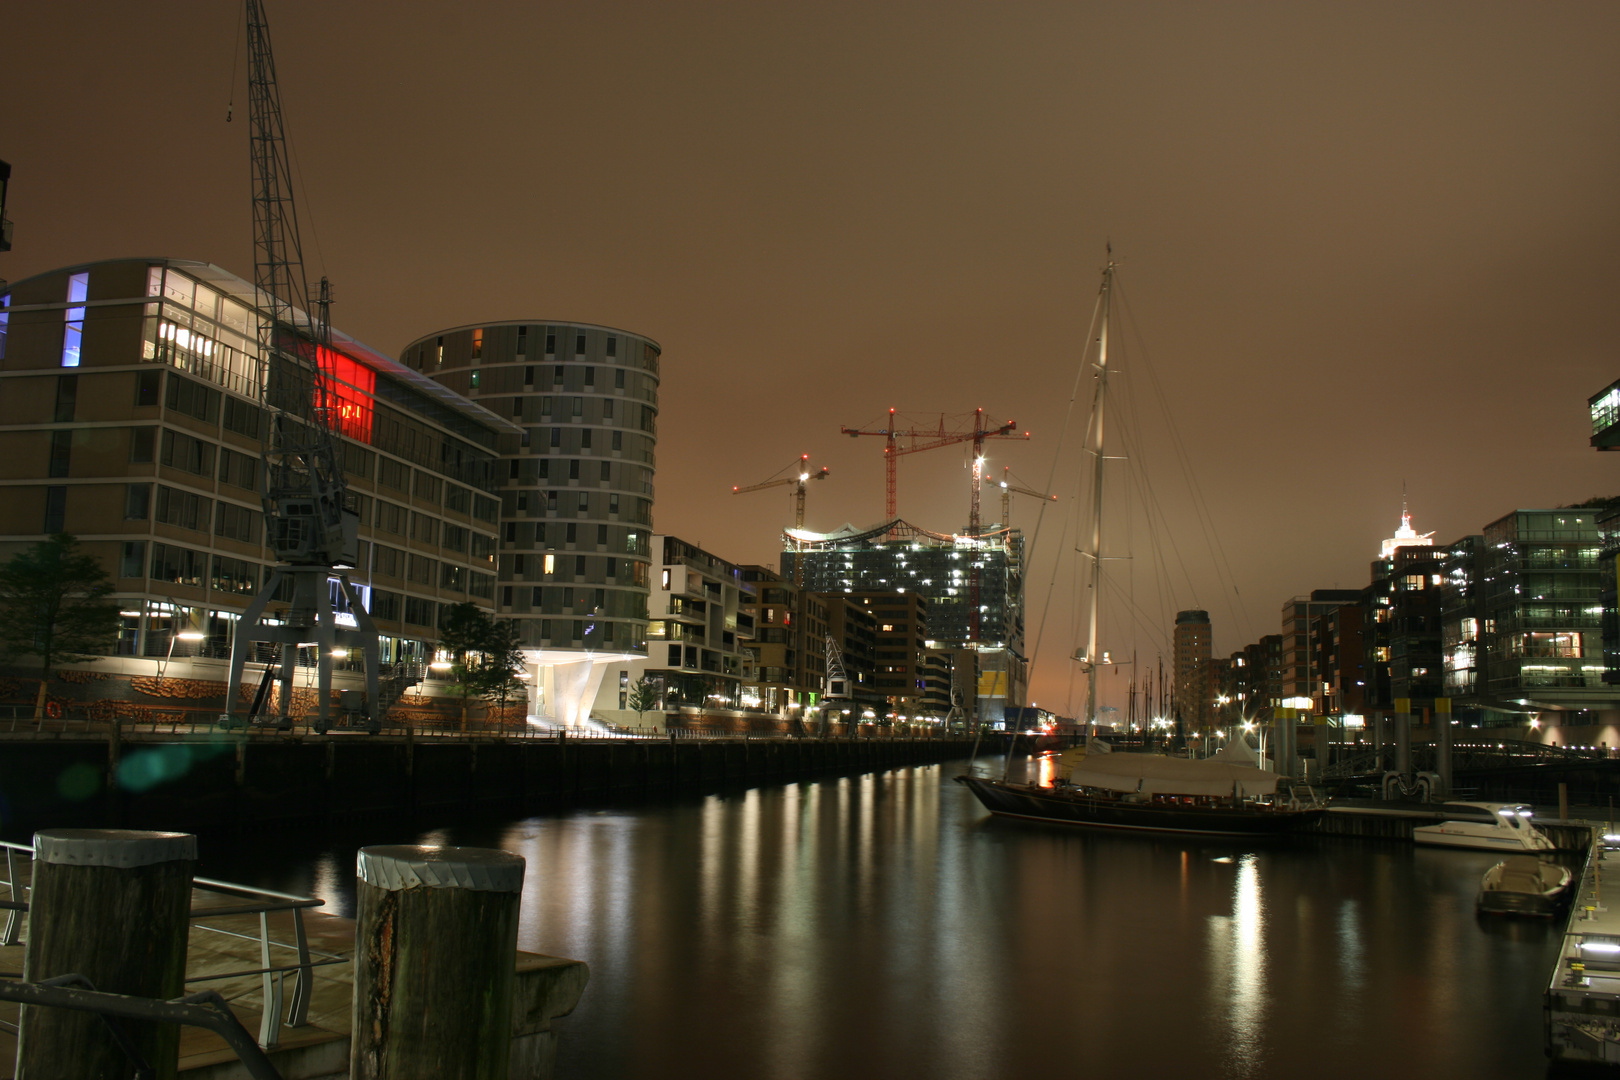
x=947, y=570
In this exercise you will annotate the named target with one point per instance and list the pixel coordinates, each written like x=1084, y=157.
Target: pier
x=1582, y=1003
x=254, y=946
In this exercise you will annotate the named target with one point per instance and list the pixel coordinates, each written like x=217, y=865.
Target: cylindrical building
x=576, y=502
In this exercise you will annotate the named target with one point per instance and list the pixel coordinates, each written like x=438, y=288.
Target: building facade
x=788, y=651
x=1192, y=647
x=133, y=418
x=576, y=489
x=1542, y=598
x=973, y=586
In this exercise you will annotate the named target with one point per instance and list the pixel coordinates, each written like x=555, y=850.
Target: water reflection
x=1238, y=948
x=884, y=925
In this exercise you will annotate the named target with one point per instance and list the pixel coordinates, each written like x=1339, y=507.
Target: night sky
x=1359, y=244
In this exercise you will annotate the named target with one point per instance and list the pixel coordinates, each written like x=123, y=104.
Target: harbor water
x=885, y=925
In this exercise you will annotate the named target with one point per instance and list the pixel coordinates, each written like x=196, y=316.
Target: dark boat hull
x=1065, y=808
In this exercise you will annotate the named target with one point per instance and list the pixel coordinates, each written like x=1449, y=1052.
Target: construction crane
x=1007, y=489
x=310, y=529
x=900, y=441
x=801, y=477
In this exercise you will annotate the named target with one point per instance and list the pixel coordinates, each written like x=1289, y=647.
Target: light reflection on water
x=884, y=925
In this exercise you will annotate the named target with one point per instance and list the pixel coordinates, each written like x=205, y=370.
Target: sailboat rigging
x=1225, y=794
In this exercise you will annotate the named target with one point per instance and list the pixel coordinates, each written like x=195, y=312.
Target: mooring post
x=112, y=905
x=1442, y=743
x=434, y=962
x=1403, y=737
x=1563, y=802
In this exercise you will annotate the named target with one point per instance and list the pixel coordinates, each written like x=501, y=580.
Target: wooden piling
x=434, y=962
x=112, y=905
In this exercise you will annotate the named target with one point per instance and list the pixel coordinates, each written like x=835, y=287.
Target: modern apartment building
x=1298, y=667
x=1192, y=645
x=698, y=634
x=576, y=489
x=1462, y=622
x=900, y=648
x=132, y=417
x=789, y=647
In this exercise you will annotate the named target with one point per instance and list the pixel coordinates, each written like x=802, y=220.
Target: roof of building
x=246, y=292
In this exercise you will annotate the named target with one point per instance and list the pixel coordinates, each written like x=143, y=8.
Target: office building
x=132, y=417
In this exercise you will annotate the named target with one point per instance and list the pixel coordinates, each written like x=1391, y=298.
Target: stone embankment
x=202, y=781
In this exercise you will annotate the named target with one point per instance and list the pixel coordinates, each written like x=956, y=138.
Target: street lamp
x=183, y=635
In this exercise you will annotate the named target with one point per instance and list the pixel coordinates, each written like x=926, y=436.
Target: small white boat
x=1524, y=885
x=1485, y=827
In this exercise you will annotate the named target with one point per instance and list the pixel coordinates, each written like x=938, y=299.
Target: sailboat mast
x=1099, y=401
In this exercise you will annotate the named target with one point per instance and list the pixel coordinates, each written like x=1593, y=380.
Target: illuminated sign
x=349, y=388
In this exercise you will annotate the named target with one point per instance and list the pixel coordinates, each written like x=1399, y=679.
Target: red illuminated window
x=349, y=387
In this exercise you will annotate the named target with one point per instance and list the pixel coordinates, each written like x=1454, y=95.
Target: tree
x=463, y=632
x=485, y=655
x=643, y=697
x=54, y=605
x=503, y=659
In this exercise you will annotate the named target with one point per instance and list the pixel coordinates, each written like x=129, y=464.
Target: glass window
x=137, y=505
x=133, y=563
x=5, y=320
x=55, y=509
x=78, y=289
x=579, y=345
x=61, y=452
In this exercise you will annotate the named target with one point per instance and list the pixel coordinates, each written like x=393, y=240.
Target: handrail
x=274, y=901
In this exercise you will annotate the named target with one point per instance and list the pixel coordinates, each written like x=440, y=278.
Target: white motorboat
x=1485, y=827
x=1524, y=885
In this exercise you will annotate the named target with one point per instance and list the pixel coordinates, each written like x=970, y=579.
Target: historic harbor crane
x=310, y=529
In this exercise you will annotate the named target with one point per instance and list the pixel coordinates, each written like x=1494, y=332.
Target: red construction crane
x=898, y=441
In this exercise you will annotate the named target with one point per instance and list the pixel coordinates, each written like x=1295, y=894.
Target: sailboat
x=1227, y=794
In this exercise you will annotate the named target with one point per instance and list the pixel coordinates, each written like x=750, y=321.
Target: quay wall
x=205, y=782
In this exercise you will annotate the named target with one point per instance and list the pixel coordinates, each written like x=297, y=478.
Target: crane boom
x=932, y=439
x=800, y=477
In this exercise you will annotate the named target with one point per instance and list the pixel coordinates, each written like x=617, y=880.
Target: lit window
x=78, y=289
x=551, y=563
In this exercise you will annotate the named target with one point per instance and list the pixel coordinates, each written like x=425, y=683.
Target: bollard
x=434, y=962
x=112, y=905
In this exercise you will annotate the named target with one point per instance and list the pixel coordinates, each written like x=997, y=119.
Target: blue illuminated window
x=78, y=289
x=5, y=318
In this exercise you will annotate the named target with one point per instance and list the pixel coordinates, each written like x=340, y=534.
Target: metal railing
x=251, y=901
x=1468, y=754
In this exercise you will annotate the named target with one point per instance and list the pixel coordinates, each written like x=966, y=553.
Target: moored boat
x=1225, y=795
x=1484, y=827
x=1524, y=885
